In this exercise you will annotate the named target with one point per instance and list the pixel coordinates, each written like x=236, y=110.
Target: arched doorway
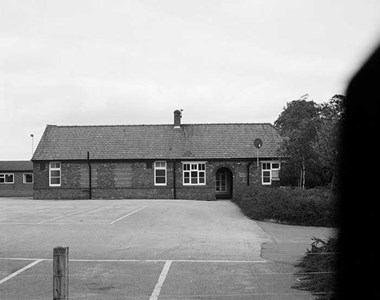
x=223, y=183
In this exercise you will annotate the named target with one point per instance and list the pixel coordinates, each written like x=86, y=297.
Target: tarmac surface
x=149, y=249
x=289, y=243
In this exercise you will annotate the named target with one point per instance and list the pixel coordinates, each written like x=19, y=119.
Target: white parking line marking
x=161, y=279
x=57, y=223
x=21, y=258
x=220, y=261
x=20, y=270
x=145, y=260
x=113, y=222
x=65, y=215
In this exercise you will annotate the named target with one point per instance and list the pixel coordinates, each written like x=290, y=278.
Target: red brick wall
x=18, y=188
x=134, y=180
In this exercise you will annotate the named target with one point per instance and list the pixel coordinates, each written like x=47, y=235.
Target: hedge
x=313, y=207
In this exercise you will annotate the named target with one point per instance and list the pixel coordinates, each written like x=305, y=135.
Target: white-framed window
x=27, y=178
x=55, y=174
x=269, y=172
x=194, y=173
x=7, y=178
x=160, y=173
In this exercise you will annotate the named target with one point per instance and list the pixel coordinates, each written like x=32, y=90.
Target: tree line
x=312, y=134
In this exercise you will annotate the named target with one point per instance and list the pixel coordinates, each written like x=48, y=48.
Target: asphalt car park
x=147, y=249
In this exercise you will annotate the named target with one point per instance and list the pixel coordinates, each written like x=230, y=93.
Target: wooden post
x=61, y=273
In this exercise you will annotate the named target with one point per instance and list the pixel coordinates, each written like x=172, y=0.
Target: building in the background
x=177, y=161
x=16, y=179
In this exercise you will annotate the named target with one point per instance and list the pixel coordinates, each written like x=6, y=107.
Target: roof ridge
x=135, y=125
x=15, y=160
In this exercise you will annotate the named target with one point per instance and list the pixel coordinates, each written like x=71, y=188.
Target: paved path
x=146, y=249
x=289, y=243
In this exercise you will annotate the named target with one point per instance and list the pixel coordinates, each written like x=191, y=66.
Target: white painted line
x=16, y=223
x=65, y=215
x=21, y=258
x=174, y=260
x=113, y=222
x=20, y=271
x=58, y=223
x=161, y=279
x=145, y=260
x=221, y=261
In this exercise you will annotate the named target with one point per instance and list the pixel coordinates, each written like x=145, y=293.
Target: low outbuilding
x=16, y=178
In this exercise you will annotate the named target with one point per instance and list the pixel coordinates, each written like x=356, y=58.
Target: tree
x=299, y=122
x=325, y=144
x=312, y=133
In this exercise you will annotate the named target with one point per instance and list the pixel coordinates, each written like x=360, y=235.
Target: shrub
x=313, y=207
x=318, y=266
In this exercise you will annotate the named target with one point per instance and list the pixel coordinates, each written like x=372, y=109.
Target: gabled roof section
x=16, y=165
x=190, y=141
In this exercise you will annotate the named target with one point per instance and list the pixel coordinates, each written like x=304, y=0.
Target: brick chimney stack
x=177, y=118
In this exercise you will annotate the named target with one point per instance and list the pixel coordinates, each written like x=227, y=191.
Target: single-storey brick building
x=177, y=161
x=16, y=178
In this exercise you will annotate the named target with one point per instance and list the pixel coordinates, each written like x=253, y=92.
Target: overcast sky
x=134, y=62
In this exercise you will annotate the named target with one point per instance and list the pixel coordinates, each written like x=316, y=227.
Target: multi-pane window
x=55, y=174
x=266, y=173
x=194, y=173
x=7, y=178
x=160, y=173
x=27, y=178
x=269, y=172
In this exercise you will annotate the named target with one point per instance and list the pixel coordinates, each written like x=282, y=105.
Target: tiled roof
x=190, y=141
x=16, y=165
